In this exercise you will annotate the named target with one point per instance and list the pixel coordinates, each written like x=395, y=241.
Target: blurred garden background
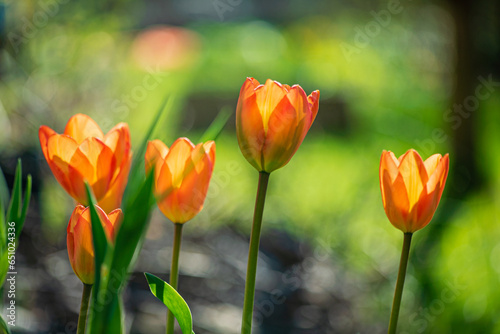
x=392, y=74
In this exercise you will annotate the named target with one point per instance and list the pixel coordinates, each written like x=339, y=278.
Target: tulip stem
x=82, y=318
x=398, y=293
x=174, y=271
x=253, y=252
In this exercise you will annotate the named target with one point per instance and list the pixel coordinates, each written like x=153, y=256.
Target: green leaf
x=136, y=206
x=137, y=169
x=217, y=125
x=99, y=239
x=18, y=208
x=4, y=329
x=173, y=300
x=4, y=190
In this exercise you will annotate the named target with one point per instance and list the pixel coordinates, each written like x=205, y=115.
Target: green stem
x=82, y=318
x=398, y=293
x=253, y=252
x=174, y=272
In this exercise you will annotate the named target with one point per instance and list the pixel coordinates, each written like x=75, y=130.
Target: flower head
x=411, y=188
x=272, y=121
x=182, y=176
x=84, y=154
x=79, y=239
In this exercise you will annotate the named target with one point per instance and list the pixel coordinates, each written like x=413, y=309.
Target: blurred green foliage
x=391, y=93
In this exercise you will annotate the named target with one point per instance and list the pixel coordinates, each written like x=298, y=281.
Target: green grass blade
x=4, y=190
x=14, y=209
x=173, y=300
x=217, y=125
x=4, y=329
x=26, y=204
x=137, y=169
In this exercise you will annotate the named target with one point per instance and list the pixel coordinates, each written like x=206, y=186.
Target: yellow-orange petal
x=313, y=100
x=81, y=126
x=113, y=197
x=412, y=169
x=176, y=159
x=250, y=125
x=118, y=140
x=115, y=218
x=268, y=96
x=395, y=200
x=60, y=150
x=284, y=136
x=156, y=152
x=95, y=163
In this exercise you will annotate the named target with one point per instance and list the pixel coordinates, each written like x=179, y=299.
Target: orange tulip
x=272, y=121
x=79, y=239
x=182, y=176
x=83, y=153
x=411, y=188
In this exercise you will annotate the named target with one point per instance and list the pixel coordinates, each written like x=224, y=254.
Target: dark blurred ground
x=392, y=75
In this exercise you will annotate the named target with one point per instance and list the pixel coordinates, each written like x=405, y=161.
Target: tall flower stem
x=174, y=272
x=82, y=318
x=253, y=252
x=398, y=293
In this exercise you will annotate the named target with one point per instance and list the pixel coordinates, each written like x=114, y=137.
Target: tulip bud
x=182, y=176
x=79, y=239
x=411, y=188
x=272, y=121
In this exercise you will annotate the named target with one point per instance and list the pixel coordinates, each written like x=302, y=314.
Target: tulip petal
x=95, y=163
x=176, y=159
x=118, y=140
x=429, y=200
x=60, y=150
x=268, y=97
x=115, y=218
x=249, y=124
x=431, y=163
x=185, y=202
x=313, y=100
x=113, y=197
x=395, y=200
x=81, y=126
x=284, y=135
x=412, y=170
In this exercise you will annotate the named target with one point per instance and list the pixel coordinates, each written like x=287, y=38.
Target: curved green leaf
x=4, y=329
x=173, y=300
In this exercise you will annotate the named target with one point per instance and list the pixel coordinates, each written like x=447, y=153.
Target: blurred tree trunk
x=477, y=31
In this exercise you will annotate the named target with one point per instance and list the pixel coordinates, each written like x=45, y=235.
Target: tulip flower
x=182, y=176
x=411, y=188
x=84, y=154
x=79, y=239
x=272, y=121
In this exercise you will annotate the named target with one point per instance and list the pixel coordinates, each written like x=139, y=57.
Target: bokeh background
x=393, y=75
